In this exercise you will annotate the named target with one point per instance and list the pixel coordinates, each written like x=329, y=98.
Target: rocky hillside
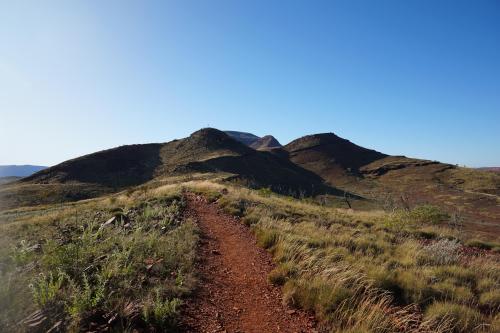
x=207, y=150
x=330, y=156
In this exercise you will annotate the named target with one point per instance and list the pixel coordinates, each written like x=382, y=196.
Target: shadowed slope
x=207, y=150
x=472, y=193
x=117, y=167
x=84, y=177
x=330, y=156
x=210, y=150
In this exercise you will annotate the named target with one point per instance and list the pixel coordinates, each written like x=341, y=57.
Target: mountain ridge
x=314, y=164
x=14, y=170
x=207, y=151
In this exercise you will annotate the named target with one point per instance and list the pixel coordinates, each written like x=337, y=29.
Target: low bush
x=447, y=290
x=46, y=287
x=415, y=288
x=480, y=244
x=279, y=275
x=428, y=214
x=460, y=318
x=461, y=275
x=88, y=271
x=266, y=238
x=442, y=252
x=317, y=294
x=490, y=299
x=160, y=311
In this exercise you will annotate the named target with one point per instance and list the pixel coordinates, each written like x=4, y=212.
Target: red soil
x=234, y=294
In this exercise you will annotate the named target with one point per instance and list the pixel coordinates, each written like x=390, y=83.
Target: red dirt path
x=234, y=294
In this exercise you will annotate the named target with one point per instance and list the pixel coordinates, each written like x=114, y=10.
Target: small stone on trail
x=216, y=252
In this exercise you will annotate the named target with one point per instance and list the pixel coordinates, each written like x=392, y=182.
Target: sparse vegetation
x=365, y=271
x=404, y=270
x=460, y=318
x=91, y=266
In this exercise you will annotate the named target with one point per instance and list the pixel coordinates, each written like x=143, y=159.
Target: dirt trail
x=234, y=294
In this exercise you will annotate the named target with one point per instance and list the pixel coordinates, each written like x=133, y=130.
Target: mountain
x=266, y=143
x=399, y=180
x=19, y=170
x=492, y=169
x=330, y=156
x=117, y=167
x=207, y=151
x=314, y=164
x=243, y=137
x=211, y=150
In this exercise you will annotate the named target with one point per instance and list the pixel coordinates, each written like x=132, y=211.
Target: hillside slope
x=115, y=168
x=333, y=158
x=210, y=150
x=206, y=150
x=469, y=193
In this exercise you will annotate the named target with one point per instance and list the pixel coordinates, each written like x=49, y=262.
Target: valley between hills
x=230, y=232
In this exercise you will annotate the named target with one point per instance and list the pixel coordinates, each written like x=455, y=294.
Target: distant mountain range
x=492, y=169
x=19, y=170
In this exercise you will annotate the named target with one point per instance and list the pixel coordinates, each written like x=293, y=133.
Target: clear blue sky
x=419, y=78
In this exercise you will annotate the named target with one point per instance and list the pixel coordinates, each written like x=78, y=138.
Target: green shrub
x=461, y=275
x=461, y=318
x=46, y=287
x=415, y=288
x=277, y=276
x=495, y=324
x=91, y=271
x=23, y=253
x=480, y=244
x=330, y=298
x=425, y=234
x=386, y=280
x=490, y=299
x=267, y=238
x=316, y=295
x=161, y=312
x=428, y=214
x=250, y=220
x=449, y=291
x=235, y=208
x=486, y=284
x=265, y=192
x=280, y=274
x=87, y=296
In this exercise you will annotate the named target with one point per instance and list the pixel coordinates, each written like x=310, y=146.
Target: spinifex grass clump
x=108, y=268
